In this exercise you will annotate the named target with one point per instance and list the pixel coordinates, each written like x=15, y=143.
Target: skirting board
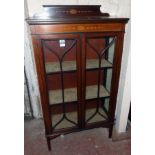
x=121, y=136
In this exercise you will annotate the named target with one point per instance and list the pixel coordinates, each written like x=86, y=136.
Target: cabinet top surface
x=57, y=14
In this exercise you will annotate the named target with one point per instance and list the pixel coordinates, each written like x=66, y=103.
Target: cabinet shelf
x=91, y=92
x=55, y=96
x=65, y=124
x=67, y=66
x=70, y=94
x=97, y=117
x=54, y=67
x=94, y=64
x=73, y=116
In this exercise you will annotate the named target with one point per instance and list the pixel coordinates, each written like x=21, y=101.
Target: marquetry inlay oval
x=73, y=11
x=80, y=28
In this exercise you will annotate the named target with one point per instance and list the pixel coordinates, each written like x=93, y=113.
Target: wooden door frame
x=38, y=53
x=115, y=73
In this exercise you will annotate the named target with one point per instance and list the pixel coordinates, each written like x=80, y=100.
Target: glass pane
x=56, y=92
x=100, y=52
x=94, y=114
x=56, y=55
x=61, y=78
x=60, y=122
x=99, y=63
x=96, y=85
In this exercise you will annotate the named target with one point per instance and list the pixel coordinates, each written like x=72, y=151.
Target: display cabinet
x=77, y=52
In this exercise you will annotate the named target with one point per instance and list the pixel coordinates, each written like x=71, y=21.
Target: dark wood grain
x=72, y=28
x=59, y=14
x=42, y=84
x=75, y=23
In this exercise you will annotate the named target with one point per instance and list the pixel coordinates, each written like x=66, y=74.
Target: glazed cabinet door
x=98, y=70
x=61, y=63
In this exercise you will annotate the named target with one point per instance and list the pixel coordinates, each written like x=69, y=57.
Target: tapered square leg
x=49, y=144
x=110, y=131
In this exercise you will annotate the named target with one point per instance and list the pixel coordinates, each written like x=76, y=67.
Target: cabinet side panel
x=116, y=74
x=42, y=84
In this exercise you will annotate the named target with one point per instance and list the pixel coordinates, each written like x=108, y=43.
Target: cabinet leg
x=49, y=144
x=110, y=131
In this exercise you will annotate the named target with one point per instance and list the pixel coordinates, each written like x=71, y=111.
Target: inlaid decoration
x=73, y=11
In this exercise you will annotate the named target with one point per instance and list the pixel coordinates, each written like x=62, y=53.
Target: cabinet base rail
x=49, y=137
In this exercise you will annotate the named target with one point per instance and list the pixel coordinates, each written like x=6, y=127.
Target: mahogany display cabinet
x=77, y=52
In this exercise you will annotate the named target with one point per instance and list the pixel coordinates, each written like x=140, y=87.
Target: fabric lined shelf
x=73, y=117
x=94, y=63
x=52, y=67
x=91, y=92
x=55, y=96
x=97, y=117
x=70, y=94
x=64, y=124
